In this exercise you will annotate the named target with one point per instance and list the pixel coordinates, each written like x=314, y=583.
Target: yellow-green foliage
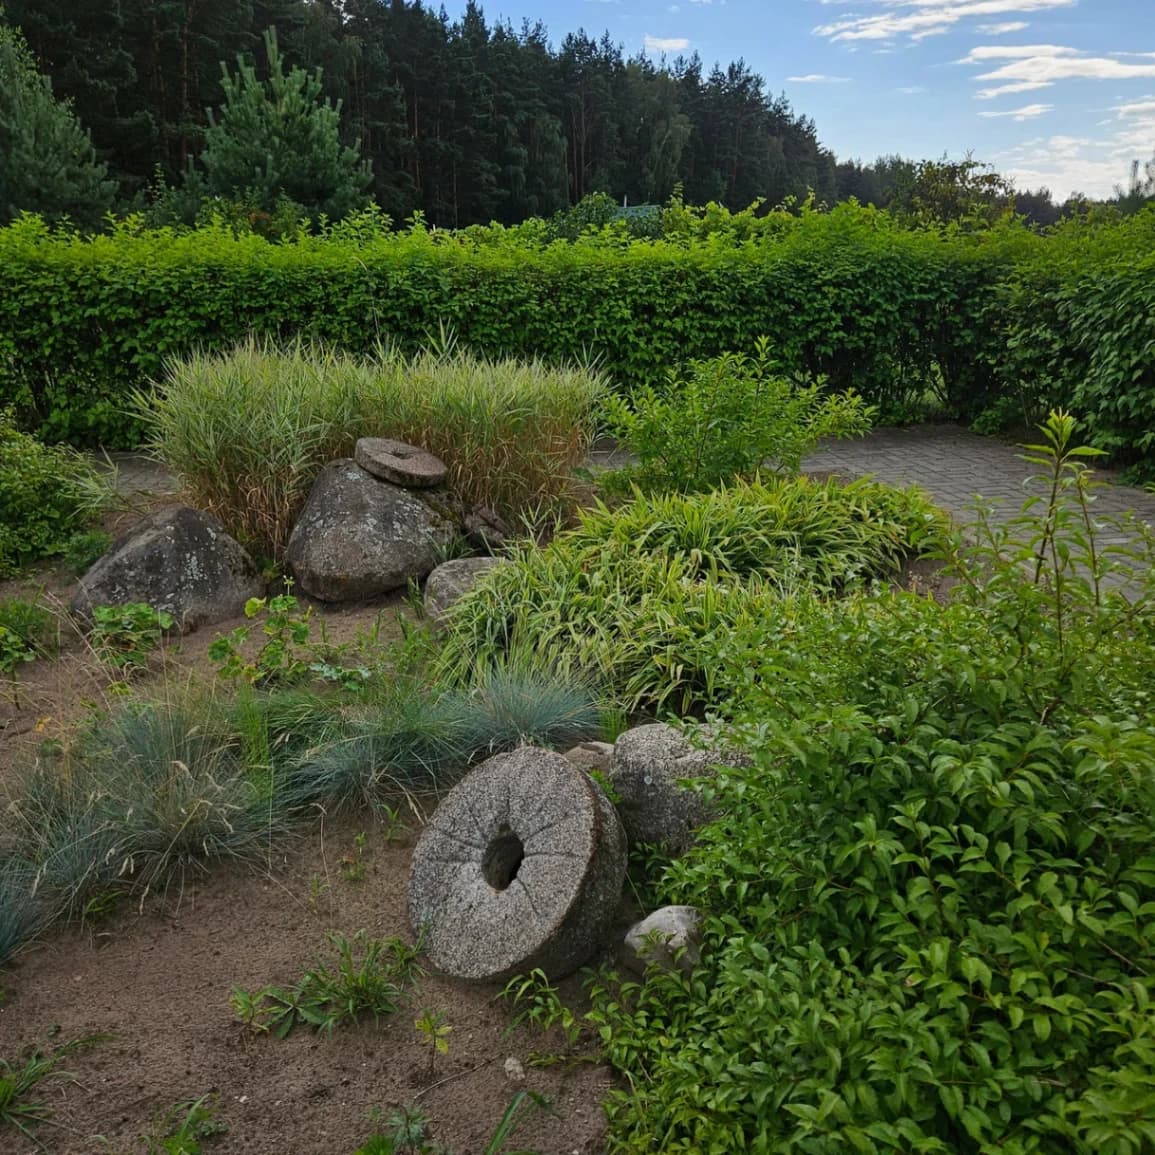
x=248, y=430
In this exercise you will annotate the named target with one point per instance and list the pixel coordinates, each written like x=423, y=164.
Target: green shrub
x=728, y=418
x=928, y=898
x=46, y=495
x=27, y=631
x=630, y=596
x=248, y=431
x=847, y=295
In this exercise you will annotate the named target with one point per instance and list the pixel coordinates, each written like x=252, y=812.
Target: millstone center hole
x=502, y=859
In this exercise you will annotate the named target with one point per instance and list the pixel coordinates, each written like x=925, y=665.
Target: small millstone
x=521, y=868
x=405, y=465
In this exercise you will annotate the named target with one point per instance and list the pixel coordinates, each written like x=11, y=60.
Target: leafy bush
x=724, y=419
x=630, y=596
x=929, y=895
x=27, y=631
x=847, y=295
x=248, y=431
x=46, y=495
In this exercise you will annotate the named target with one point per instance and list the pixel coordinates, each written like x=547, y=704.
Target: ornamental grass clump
x=630, y=596
x=138, y=802
x=247, y=431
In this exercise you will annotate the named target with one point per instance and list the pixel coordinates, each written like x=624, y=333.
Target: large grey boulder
x=452, y=580
x=669, y=938
x=521, y=867
x=409, y=466
x=648, y=767
x=178, y=560
x=358, y=537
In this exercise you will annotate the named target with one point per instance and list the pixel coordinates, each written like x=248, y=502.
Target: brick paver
x=954, y=466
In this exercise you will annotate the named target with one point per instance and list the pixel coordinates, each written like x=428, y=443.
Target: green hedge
x=846, y=294
x=1006, y=323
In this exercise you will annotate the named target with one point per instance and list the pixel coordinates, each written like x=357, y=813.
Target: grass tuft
x=247, y=431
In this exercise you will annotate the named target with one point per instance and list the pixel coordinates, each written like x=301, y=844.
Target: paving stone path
x=954, y=466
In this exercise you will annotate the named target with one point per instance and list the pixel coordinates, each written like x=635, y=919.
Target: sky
x=1058, y=93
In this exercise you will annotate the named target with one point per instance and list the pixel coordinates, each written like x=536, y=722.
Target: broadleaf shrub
x=47, y=494
x=726, y=418
x=847, y=295
x=929, y=896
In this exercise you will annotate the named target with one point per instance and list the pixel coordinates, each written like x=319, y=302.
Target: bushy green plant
x=632, y=597
x=724, y=419
x=368, y=978
x=46, y=495
x=84, y=549
x=846, y=295
x=248, y=431
x=123, y=636
x=927, y=896
x=27, y=631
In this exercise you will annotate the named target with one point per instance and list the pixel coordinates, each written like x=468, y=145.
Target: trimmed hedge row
x=848, y=295
x=1005, y=322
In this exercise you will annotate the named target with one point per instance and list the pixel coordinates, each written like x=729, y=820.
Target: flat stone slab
x=520, y=868
x=406, y=465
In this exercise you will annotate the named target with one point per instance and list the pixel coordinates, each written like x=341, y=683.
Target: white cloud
x=918, y=19
x=818, y=78
x=1027, y=112
x=1030, y=66
x=1004, y=28
x=666, y=43
x=1067, y=164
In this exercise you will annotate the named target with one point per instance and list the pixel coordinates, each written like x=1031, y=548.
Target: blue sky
x=1054, y=92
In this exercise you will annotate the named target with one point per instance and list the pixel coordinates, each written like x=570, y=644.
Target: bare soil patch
x=158, y=982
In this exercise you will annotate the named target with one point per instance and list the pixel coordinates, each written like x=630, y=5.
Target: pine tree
x=47, y=162
x=280, y=139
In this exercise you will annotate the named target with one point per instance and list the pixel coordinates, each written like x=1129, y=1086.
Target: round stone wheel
x=521, y=867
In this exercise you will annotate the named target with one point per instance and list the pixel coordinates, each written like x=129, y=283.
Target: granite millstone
x=520, y=868
x=409, y=466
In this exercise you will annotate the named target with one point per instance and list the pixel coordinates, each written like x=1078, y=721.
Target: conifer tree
x=279, y=139
x=47, y=162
